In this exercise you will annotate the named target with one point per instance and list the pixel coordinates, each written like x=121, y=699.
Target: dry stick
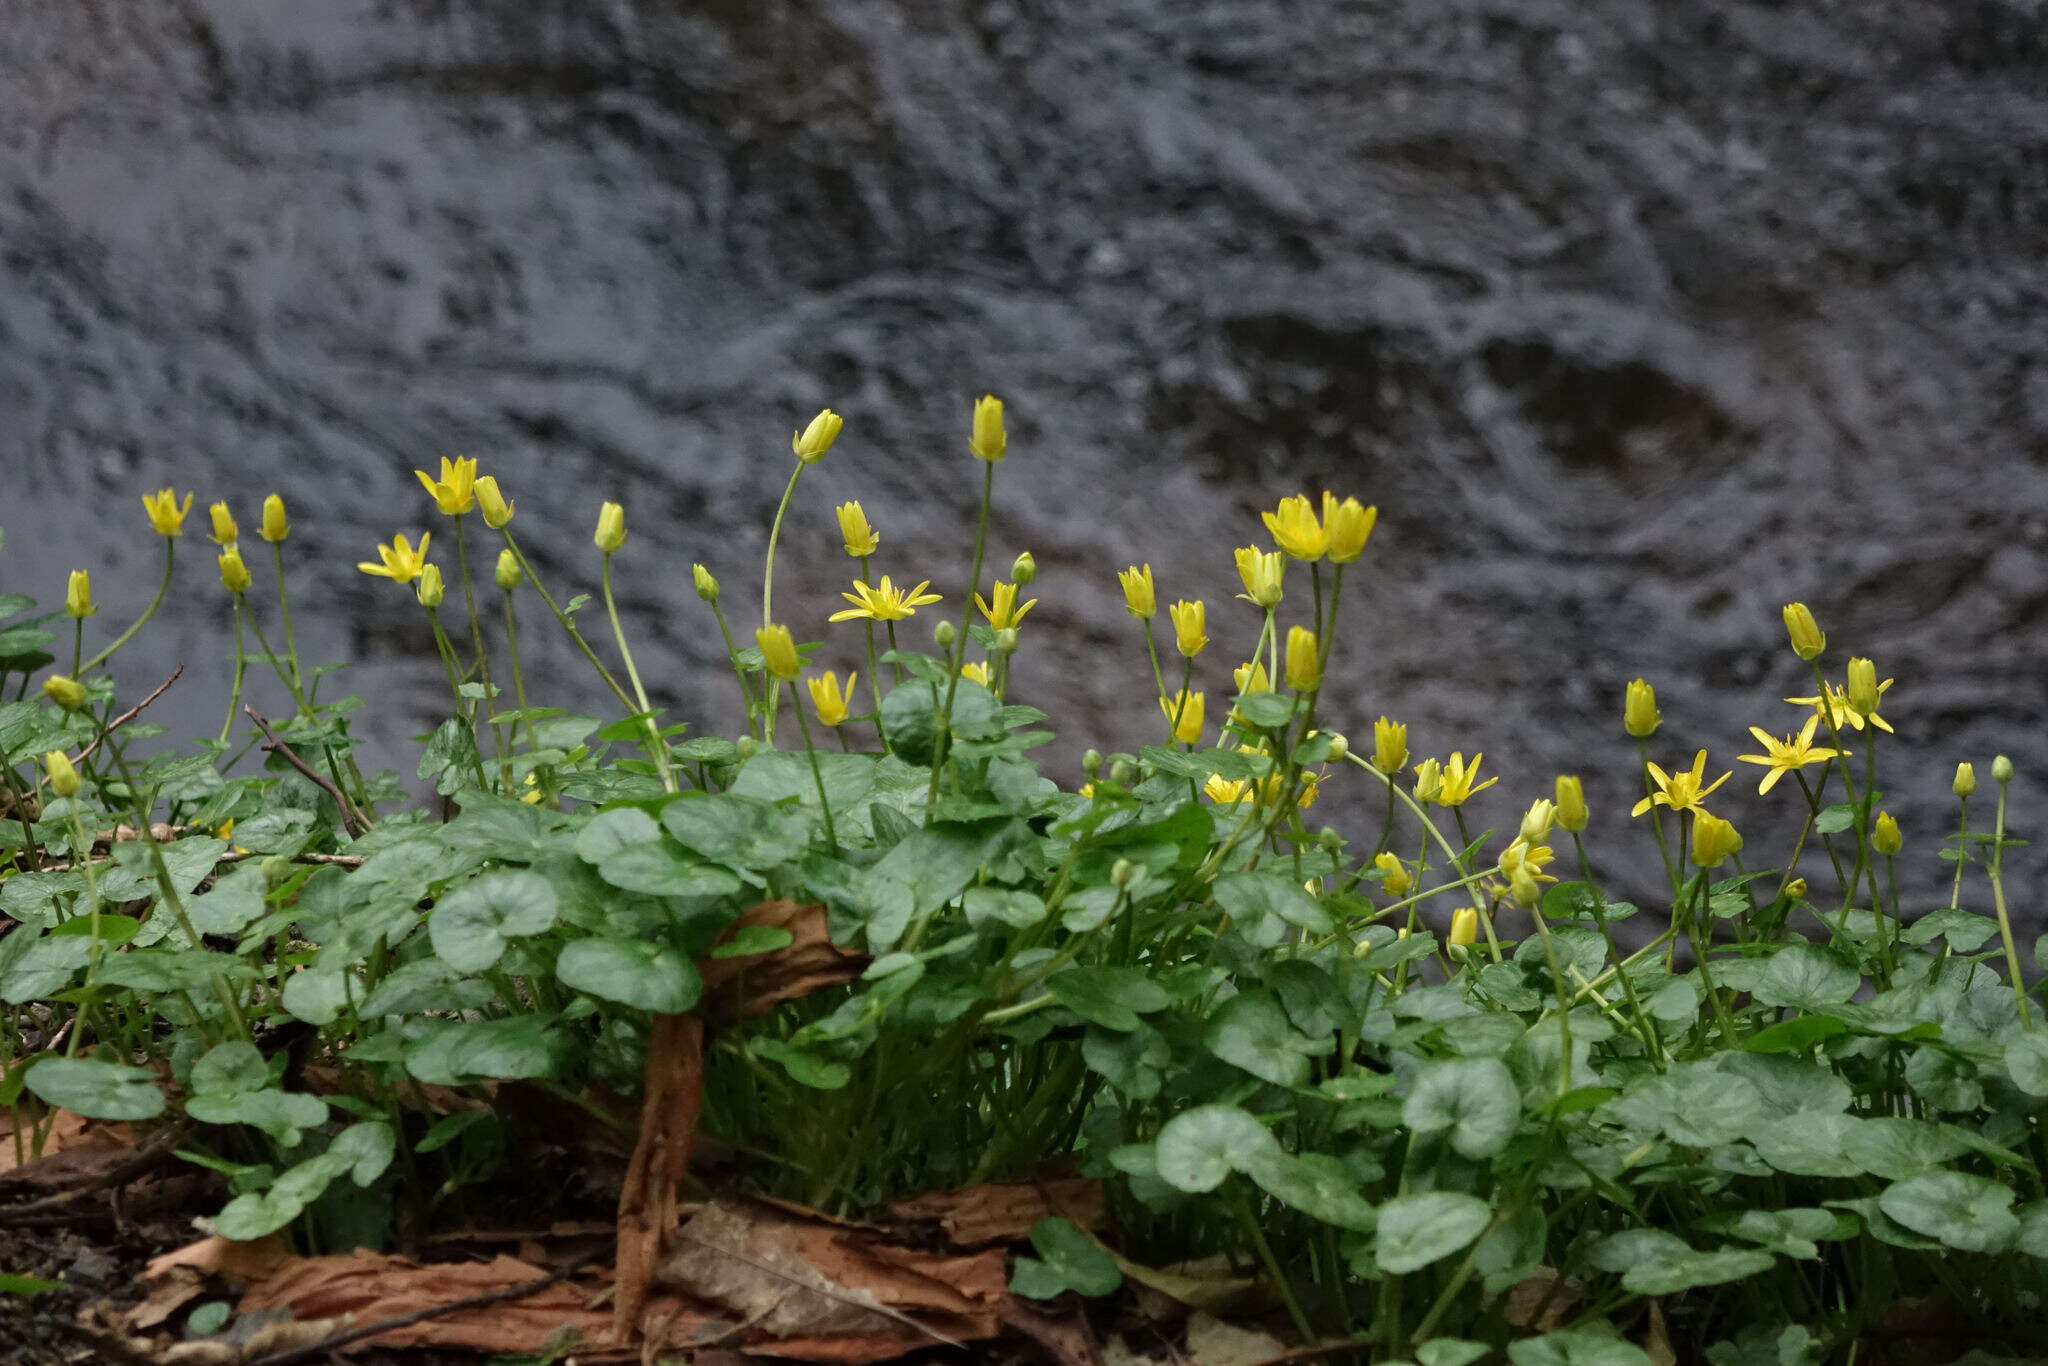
x=350, y=817
x=144, y=1158
x=129, y=715
x=313, y=1350
x=338, y=860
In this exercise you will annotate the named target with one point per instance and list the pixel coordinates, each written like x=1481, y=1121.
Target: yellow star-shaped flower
x=402, y=563
x=455, y=491
x=1788, y=755
x=1681, y=791
x=884, y=601
x=1836, y=707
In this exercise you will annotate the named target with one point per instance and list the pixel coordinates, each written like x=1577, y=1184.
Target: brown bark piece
x=73, y=1146
x=1005, y=1211
x=674, y=1092
x=753, y=984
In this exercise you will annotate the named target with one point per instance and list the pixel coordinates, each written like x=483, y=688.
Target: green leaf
x=1449, y=1352
x=1796, y=1035
x=2026, y=1059
x=804, y=1067
x=1806, y=1145
x=1198, y=1148
x=1807, y=977
x=1266, y=710
x=1134, y=1061
x=1694, y=1105
x=96, y=1089
x=257, y=1215
x=1017, y=909
x=1252, y=1031
x=634, y=972
x=470, y=926
x=615, y=831
x=1317, y=1184
x=1250, y=897
x=1576, y=1347
x=664, y=870
x=449, y=759
x=427, y=984
x=1111, y=997
x=1968, y=1213
x=520, y=1047
x=26, y=1287
x=2032, y=1238
x=369, y=1146
x=1896, y=1147
x=1833, y=820
x=317, y=995
x=737, y=831
x=1966, y=931
x=1415, y=1230
x=1653, y=1262
x=1475, y=1098
x=230, y=1068
x=749, y=940
x=1071, y=1260
x=283, y=1115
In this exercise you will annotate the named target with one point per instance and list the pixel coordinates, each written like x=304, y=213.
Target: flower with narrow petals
x=1261, y=572
x=1389, y=745
x=166, y=513
x=1001, y=608
x=507, y=573
x=1225, y=791
x=1304, y=669
x=826, y=697
x=1295, y=529
x=1465, y=926
x=1788, y=755
x=975, y=673
x=1346, y=527
x=860, y=538
x=988, y=441
x=1681, y=791
x=402, y=562
x=78, y=603
x=234, y=574
x=63, y=777
x=275, y=525
x=1184, y=715
x=1522, y=856
x=884, y=602
x=1190, y=627
x=610, y=535
x=1884, y=836
x=1832, y=706
x=67, y=693
x=455, y=491
x=1713, y=839
x=1457, y=785
x=225, y=532
x=1139, y=599
x=430, y=589
x=1807, y=639
x=778, y=652
x=814, y=440
x=497, y=508
x=1640, y=716
x=1395, y=879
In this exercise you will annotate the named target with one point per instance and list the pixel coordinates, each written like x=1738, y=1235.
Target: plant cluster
x=1784, y=1109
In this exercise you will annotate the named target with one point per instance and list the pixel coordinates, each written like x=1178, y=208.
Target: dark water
x=1635, y=318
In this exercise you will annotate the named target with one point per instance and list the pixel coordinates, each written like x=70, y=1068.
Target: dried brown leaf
x=1005, y=1211
x=753, y=984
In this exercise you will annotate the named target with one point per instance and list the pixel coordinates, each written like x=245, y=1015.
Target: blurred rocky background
x=1636, y=318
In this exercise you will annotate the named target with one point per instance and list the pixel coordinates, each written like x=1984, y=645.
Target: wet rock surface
x=1635, y=318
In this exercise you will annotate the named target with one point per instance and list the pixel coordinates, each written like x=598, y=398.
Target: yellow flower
x=496, y=507
x=1457, y=781
x=1346, y=527
x=1795, y=890
x=1311, y=788
x=1304, y=670
x=1536, y=824
x=1965, y=780
x=78, y=603
x=989, y=442
x=166, y=513
x=275, y=527
x=1224, y=791
x=1395, y=879
x=1681, y=791
x=67, y=693
x=506, y=573
x=225, y=532
x=1429, y=780
x=1522, y=886
x=63, y=777
x=401, y=562
x=611, y=528
x=1389, y=745
x=1807, y=639
x=1190, y=627
x=1521, y=856
x=1002, y=611
x=1184, y=715
x=860, y=538
x=884, y=602
x=1833, y=706
x=455, y=491
x=1862, y=686
x=1640, y=716
x=1261, y=572
x=778, y=652
x=813, y=441
x=830, y=702
x=1885, y=837
x=430, y=589
x=234, y=575
x=1465, y=926
x=1295, y=529
x=532, y=796
x=1713, y=839
x=1571, y=804
x=1251, y=678
x=975, y=673
x=1139, y=599
x=704, y=582
x=1788, y=755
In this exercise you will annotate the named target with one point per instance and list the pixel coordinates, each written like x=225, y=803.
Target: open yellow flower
x=1788, y=755
x=1190, y=627
x=860, y=538
x=166, y=513
x=1002, y=610
x=1457, y=785
x=1295, y=529
x=826, y=697
x=1834, y=704
x=1522, y=856
x=884, y=601
x=1681, y=791
x=1261, y=572
x=1225, y=791
x=1184, y=714
x=455, y=491
x=1346, y=527
x=402, y=563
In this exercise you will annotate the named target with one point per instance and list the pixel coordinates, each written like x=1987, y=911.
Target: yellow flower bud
x=778, y=652
x=707, y=586
x=1261, y=572
x=1542, y=814
x=1795, y=890
x=1304, y=670
x=1465, y=926
x=1429, y=780
x=234, y=575
x=1295, y=529
x=1571, y=804
x=1884, y=836
x=67, y=693
x=1139, y=600
x=1640, y=716
x=943, y=634
x=78, y=603
x=1713, y=839
x=1395, y=879
x=1807, y=640
x=225, y=532
x=611, y=528
x=1251, y=678
x=1522, y=886
x=2001, y=770
x=1190, y=627
x=63, y=777
x=1389, y=745
x=166, y=513
x=826, y=697
x=275, y=526
x=496, y=508
x=1347, y=526
x=813, y=441
x=1184, y=715
x=1862, y=689
x=1339, y=745
x=1965, y=782
x=975, y=673
x=506, y=573
x=1006, y=641
x=989, y=441
x=430, y=588
x=1024, y=569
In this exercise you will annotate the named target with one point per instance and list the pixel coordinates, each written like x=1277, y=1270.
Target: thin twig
x=144, y=1158
x=1325, y=1348
x=129, y=715
x=337, y=860
x=351, y=818
x=313, y=1350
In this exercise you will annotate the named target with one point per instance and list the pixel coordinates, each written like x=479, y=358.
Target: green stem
x=567, y=623
x=732, y=656
x=817, y=771
x=284, y=606
x=959, y=651
x=235, y=691
x=485, y=704
x=163, y=584
x=518, y=672
x=1996, y=869
x=657, y=747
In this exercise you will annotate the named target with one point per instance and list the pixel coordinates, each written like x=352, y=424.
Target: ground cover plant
x=868, y=951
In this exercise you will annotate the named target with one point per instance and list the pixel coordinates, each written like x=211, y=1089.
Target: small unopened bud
x=276, y=526
x=611, y=528
x=1006, y=641
x=1795, y=890
x=66, y=692
x=1429, y=780
x=1884, y=836
x=78, y=603
x=2001, y=770
x=1330, y=840
x=1862, y=689
x=1523, y=887
x=1807, y=640
x=506, y=573
x=745, y=747
x=1965, y=782
x=1639, y=715
x=814, y=440
x=1121, y=872
x=944, y=635
x=1023, y=570
x=63, y=777
x=1121, y=773
x=497, y=509
x=431, y=589
x=707, y=586
x=1571, y=804
x=234, y=574
x=1091, y=763
x=1339, y=746
x=1465, y=926
x=1542, y=814
x=1395, y=879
